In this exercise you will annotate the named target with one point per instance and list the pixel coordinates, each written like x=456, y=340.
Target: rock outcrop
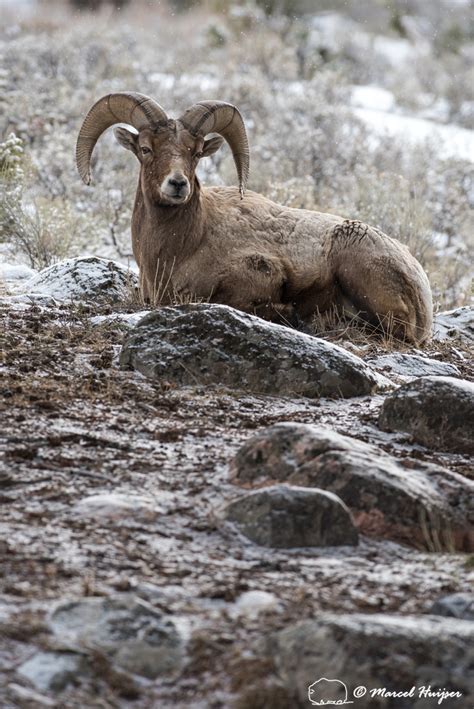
x=437, y=412
x=134, y=635
x=457, y=324
x=284, y=517
x=217, y=345
x=377, y=652
x=411, y=366
x=413, y=502
x=90, y=278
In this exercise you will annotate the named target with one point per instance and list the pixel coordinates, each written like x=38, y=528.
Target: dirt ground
x=74, y=424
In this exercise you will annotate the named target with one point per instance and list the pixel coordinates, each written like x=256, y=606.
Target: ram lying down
x=229, y=246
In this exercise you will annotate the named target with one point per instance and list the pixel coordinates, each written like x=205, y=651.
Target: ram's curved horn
x=126, y=107
x=223, y=118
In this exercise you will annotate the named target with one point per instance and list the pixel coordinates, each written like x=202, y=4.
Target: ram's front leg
x=281, y=313
x=156, y=283
x=144, y=289
x=255, y=283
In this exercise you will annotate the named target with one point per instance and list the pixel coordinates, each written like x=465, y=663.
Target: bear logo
x=328, y=692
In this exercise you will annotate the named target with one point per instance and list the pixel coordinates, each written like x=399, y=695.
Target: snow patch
x=129, y=319
x=115, y=506
x=372, y=97
x=449, y=141
x=252, y=603
x=396, y=51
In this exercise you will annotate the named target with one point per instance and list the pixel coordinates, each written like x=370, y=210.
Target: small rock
x=24, y=301
x=437, y=412
x=11, y=273
x=127, y=320
x=89, y=278
x=455, y=324
x=408, y=501
x=53, y=671
x=135, y=635
x=116, y=506
x=252, y=603
x=26, y=698
x=285, y=517
x=456, y=605
x=217, y=345
x=411, y=366
x=376, y=651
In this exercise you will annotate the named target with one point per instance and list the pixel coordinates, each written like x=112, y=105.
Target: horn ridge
x=132, y=108
x=223, y=118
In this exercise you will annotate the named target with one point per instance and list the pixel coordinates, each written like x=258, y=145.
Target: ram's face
x=169, y=157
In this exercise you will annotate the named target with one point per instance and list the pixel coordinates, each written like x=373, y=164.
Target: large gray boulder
x=217, y=345
x=284, y=517
x=90, y=278
x=136, y=636
x=377, y=652
x=412, y=502
x=437, y=412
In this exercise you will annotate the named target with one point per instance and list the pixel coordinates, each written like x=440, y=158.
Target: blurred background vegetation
x=316, y=80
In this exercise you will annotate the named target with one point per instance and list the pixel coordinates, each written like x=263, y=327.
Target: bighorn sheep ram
x=213, y=244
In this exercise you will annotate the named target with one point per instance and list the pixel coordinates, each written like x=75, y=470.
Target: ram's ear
x=211, y=146
x=127, y=139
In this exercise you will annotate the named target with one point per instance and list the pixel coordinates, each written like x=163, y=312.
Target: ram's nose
x=178, y=183
x=176, y=186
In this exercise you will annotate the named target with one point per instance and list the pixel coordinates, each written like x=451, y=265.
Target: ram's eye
x=145, y=150
x=198, y=155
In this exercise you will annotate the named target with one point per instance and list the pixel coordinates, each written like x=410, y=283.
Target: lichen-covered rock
x=136, y=636
x=411, y=366
x=217, y=345
x=90, y=278
x=378, y=651
x=437, y=412
x=456, y=605
x=412, y=502
x=284, y=517
x=457, y=324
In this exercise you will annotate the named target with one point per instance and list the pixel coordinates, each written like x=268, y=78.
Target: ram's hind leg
x=383, y=281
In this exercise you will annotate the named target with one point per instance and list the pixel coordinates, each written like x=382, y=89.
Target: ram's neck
x=177, y=231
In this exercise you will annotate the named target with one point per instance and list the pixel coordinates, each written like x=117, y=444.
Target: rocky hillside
x=201, y=509
x=198, y=509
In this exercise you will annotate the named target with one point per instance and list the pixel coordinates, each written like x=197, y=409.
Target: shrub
x=41, y=229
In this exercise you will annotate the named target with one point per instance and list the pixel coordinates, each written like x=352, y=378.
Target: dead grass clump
x=343, y=326
x=437, y=533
